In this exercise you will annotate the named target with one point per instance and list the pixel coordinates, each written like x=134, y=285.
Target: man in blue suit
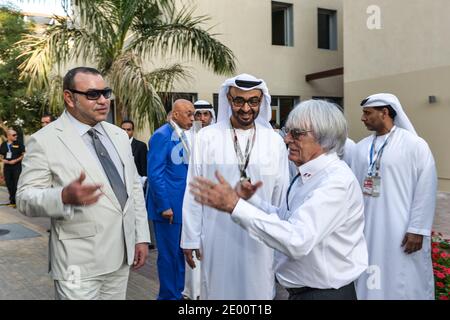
x=167, y=164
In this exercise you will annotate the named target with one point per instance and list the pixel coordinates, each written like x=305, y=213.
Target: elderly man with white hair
x=243, y=146
x=397, y=173
x=318, y=229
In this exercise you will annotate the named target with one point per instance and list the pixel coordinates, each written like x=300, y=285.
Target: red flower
x=440, y=275
x=443, y=298
x=435, y=256
x=434, y=244
x=443, y=255
x=440, y=285
x=435, y=250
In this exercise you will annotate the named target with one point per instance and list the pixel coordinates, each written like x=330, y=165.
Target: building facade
x=280, y=42
x=401, y=47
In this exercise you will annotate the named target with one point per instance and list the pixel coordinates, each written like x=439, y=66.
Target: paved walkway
x=23, y=262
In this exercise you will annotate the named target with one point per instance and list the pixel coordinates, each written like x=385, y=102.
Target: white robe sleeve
x=192, y=211
x=262, y=205
x=315, y=219
x=282, y=178
x=424, y=202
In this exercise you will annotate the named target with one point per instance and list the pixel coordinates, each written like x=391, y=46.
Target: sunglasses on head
x=94, y=94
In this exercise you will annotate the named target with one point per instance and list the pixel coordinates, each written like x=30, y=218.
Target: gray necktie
x=110, y=169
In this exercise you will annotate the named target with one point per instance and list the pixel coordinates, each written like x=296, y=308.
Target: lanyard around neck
x=289, y=190
x=375, y=159
x=243, y=160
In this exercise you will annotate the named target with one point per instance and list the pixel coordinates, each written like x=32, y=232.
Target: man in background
x=168, y=158
x=204, y=112
x=11, y=153
x=204, y=116
x=139, y=150
x=46, y=119
x=397, y=173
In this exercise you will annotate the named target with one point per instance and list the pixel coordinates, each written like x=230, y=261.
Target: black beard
x=246, y=123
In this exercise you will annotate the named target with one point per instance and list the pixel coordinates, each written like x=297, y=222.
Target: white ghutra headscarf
x=203, y=105
x=387, y=99
x=245, y=82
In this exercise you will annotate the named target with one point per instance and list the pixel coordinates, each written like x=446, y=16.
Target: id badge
x=376, y=186
x=368, y=186
x=9, y=155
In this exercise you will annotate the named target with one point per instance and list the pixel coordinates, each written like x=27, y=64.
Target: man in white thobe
x=397, y=172
x=243, y=146
x=318, y=229
x=204, y=116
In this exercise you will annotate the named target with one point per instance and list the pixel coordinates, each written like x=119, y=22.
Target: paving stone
x=23, y=262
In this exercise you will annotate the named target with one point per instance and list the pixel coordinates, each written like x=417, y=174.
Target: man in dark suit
x=168, y=157
x=138, y=148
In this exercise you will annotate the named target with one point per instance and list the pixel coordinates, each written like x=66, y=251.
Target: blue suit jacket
x=167, y=172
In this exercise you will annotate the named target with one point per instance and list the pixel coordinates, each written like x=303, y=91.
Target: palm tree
x=119, y=36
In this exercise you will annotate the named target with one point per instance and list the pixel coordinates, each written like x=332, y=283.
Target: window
x=282, y=24
x=327, y=29
x=168, y=98
x=281, y=107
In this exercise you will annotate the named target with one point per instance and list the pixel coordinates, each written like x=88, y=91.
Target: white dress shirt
x=319, y=242
x=180, y=132
x=83, y=128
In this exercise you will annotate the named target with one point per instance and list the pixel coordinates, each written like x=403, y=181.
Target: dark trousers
x=344, y=293
x=151, y=228
x=12, y=174
x=170, y=260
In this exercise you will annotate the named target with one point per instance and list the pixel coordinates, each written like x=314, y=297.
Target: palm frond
x=162, y=79
x=96, y=16
x=133, y=90
x=181, y=33
x=53, y=95
x=46, y=54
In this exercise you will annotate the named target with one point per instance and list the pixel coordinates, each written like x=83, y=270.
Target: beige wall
x=245, y=27
x=409, y=57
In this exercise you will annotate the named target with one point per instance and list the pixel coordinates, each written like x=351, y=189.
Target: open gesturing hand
x=246, y=190
x=79, y=194
x=220, y=195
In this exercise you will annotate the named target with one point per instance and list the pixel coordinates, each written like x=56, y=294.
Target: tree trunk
x=121, y=112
